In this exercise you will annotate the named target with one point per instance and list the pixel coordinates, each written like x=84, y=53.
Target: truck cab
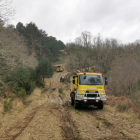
x=87, y=89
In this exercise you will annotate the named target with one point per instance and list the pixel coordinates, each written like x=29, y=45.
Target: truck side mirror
x=73, y=81
x=106, y=81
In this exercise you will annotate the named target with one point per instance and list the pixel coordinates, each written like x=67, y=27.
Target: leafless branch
x=6, y=10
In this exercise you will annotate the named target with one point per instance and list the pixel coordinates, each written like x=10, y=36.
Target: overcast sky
x=66, y=19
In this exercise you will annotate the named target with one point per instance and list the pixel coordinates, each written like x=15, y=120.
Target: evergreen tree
x=21, y=28
x=44, y=69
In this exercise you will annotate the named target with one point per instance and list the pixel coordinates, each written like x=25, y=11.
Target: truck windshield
x=91, y=80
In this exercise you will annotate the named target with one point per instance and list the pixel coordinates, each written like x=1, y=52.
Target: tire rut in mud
x=69, y=131
x=13, y=132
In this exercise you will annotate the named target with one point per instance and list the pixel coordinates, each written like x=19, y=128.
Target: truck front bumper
x=83, y=98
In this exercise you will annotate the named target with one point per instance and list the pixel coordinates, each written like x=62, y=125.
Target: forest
x=38, y=41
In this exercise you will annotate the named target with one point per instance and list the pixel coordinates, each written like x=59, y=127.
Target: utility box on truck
x=87, y=89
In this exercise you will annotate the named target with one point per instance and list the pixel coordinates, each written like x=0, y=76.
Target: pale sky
x=67, y=19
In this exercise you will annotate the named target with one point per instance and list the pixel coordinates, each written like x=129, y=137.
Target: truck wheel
x=72, y=101
x=100, y=105
x=76, y=105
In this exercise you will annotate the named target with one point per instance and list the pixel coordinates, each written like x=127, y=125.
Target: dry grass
x=121, y=103
x=60, y=90
x=20, y=112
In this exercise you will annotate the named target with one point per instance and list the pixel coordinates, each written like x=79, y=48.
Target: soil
x=48, y=115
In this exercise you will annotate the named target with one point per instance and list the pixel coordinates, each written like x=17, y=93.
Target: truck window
x=91, y=80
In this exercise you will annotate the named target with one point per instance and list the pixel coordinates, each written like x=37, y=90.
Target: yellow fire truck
x=87, y=89
x=60, y=68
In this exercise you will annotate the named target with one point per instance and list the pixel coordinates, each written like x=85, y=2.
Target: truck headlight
x=103, y=97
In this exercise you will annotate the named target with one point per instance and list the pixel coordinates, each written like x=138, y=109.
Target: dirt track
x=51, y=117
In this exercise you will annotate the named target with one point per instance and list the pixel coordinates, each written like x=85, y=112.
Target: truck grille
x=91, y=95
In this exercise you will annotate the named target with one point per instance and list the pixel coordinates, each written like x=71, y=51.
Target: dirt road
x=48, y=115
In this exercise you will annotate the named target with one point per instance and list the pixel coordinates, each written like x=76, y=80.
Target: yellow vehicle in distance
x=87, y=89
x=60, y=68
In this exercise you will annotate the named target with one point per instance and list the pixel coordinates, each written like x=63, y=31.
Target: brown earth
x=48, y=115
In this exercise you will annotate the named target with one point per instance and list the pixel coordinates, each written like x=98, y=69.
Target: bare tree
x=124, y=76
x=6, y=10
x=78, y=41
x=86, y=37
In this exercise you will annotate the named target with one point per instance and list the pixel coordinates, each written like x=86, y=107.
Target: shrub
x=123, y=106
x=21, y=93
x=32, y=86
x=60, y=90
x=2, y=91
x=122, y=103
x=8, y=105
x=44, y=69
x=22, y=81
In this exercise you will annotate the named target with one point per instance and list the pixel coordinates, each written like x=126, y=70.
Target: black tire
x=100, y=105
x=72, y=101
x=76, y=105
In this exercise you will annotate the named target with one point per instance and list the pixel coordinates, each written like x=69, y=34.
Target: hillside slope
x=13, y=48
x=48, y=115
